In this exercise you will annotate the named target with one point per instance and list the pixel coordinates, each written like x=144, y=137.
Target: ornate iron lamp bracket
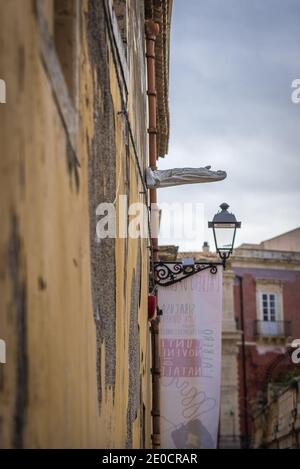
x=168, y=273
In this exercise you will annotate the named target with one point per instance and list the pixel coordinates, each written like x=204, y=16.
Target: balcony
x=273, y=328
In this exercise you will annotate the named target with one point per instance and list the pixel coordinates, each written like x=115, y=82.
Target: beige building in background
x=285, y=242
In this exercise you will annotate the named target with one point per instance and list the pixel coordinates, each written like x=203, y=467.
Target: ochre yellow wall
x=49, y=386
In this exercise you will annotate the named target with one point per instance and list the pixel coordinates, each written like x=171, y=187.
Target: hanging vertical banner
x=190, y=355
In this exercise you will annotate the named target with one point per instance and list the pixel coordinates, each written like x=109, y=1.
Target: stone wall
x=73, y=309
x=277, y=426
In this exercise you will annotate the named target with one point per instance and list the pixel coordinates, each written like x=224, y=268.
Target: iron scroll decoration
x=168, y=273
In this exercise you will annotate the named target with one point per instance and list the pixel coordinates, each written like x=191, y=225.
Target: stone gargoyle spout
x=178, y=176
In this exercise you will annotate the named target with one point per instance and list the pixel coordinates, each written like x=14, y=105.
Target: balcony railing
x=273, y=328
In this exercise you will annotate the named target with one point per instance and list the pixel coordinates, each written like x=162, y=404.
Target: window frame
x=269, y=306
x=269, y=287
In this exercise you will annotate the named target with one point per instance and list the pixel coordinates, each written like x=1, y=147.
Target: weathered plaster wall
x=277, y=426
x=72, y=311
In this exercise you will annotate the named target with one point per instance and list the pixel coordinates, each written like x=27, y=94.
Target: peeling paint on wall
x=18, y=295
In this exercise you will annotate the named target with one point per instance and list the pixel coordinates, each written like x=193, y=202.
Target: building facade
x=267, y=295
x=73, y=306
x=261, y=288
x=277, y=424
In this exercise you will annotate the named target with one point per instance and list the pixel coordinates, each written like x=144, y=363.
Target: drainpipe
x=245, y=389
x=152, y=31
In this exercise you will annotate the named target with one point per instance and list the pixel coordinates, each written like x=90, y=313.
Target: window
x=269, y=306
x=270, y=326
x=270, y=321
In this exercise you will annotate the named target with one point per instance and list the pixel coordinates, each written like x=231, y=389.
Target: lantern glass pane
x=224, y=236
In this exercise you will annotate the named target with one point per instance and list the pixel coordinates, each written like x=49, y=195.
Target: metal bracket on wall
x=168, y=273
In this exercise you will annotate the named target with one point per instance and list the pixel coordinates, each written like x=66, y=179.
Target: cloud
x=232, y=64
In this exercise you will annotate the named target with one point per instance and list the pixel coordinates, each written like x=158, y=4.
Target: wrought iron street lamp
x=224, y=225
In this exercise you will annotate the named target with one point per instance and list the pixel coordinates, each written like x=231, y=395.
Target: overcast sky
x=232, y=65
